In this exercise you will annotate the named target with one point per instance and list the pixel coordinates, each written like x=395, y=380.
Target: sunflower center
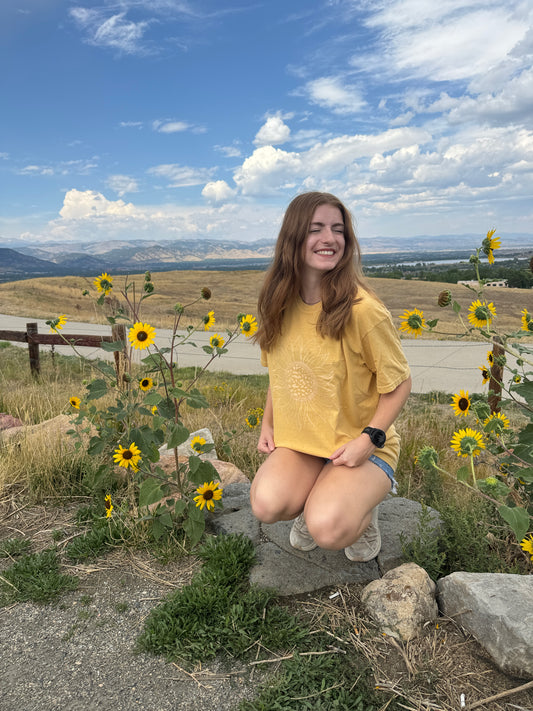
x=142, y=336
x=127, y=454
x=208, y=495
x=463, y=404
x=530, y=325
x=144, y=383
x=246, y=326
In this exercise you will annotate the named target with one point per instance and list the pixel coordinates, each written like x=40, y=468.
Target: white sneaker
x=368, y=545
x=299, y=537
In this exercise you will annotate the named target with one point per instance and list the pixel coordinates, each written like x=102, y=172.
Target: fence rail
x=33, y=338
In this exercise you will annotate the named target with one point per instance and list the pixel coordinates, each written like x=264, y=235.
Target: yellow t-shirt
x=325, y=391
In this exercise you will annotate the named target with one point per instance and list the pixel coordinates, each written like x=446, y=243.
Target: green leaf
x=525, y=474
x=96, y=389
x=196, y=399
x=111, y=347
x=194, y=525
x=456, y=307
x=150, y=492
x=166, y=408
x=96, y=446
x=205, y=471
x=179, y=507
x=517, y=518
x=433, y=322
x=153, y=399
x=463, y=473
x=208, y=349
x=178, y=435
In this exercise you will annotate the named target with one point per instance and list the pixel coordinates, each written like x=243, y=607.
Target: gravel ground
x=79, y=653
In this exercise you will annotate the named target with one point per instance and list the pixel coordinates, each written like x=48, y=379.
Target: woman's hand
x=266, y=439
x=354, y=452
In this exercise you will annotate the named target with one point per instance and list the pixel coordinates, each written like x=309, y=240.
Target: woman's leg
x=338, y=509
x=282, y=484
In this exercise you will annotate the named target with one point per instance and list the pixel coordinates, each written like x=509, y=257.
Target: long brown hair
x=283, y=279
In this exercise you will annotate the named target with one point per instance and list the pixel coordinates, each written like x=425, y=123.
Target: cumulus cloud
x=122, y=184
x=218, y=191
x=81, y=204
x=179, y=176
x=273, y=132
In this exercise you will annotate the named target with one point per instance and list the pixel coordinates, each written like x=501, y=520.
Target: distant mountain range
x=21, y=260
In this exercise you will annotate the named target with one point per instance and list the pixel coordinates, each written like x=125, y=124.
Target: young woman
x=338, y=379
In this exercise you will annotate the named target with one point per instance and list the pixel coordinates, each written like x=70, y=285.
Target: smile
x=326, y=252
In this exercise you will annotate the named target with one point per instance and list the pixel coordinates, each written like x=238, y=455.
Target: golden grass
x=235, y=292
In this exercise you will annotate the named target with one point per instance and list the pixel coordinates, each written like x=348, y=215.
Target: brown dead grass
x=235, y=292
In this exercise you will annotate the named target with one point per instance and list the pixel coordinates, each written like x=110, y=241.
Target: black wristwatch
x=377, y=436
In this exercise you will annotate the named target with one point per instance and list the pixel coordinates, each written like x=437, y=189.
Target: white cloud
x=122, y=184
x=218, y=191
x=330, y=93
x=179, y=176
x=170, y=126
x=82, y=204
x=114, y=31
x=273, y=132
x=233, y=151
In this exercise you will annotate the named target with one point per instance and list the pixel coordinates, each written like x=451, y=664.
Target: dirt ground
x=78, y=653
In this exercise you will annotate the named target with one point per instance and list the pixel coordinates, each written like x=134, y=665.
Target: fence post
x=496, y=375
x=118, y=333
x=33, y=349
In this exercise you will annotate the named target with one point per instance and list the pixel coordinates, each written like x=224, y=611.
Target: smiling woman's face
x=324, y=245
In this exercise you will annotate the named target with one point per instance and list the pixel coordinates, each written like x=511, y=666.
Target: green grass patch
x=13, y=547
x=35, y=577
x=104, y=533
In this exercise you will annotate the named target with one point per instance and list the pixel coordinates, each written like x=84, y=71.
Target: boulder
x=186, y=450
x=496, y=609
x=47, y=430
x=8, y=421
x=402, y=601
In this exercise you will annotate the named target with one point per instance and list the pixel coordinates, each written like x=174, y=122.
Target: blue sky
x=163, y=119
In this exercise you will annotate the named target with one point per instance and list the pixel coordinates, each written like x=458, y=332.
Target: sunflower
x=205, y=293
x=413, y=322
x=108, y=506
x=56, y=324
x=467, y=442
x=216, y=341
x=127, y=457
x=427, y=458
x=496, y=422
x=526, y=544
x=527, y=321
x=485, y=373
x=461, y=403
x=197, y=443
x=104, y=283
x=254, y=417
x=146, y=383
x=207, y=495
x=490, y=358
x=141, y=335
x=154, y=410
x=481, y=313
x=75, y=402
x=209, y=320
x=517, y=378
x=248, y=325
x=489, y=244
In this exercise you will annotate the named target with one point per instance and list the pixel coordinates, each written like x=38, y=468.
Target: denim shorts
x=389, y=471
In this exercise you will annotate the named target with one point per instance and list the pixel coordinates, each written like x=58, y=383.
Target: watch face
x=378, y=438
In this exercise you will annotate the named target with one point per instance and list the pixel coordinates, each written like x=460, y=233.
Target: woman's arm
x=389, y=406
x=266, y=437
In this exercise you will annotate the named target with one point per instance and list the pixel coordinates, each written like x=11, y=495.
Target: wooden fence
x=33, y=338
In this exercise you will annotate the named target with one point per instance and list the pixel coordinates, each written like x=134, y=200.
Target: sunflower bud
x=474, y=259
x=427, y=458
x=206, y=293
x=148, y=287
x=445, y=298
x=147, y=276
x=179, y=308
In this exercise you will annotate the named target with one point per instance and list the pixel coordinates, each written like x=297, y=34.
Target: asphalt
x=445, y=366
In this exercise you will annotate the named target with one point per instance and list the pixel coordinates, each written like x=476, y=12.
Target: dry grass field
x=236, y=292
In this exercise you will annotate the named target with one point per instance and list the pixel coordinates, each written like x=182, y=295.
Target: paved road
x=435, y=365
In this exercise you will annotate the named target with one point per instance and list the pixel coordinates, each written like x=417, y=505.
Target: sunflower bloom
x=461, y=403
x=413, y=322
x=248, y=325
x=127, y=456
x=481, y=313
x=197, y=443
x=216, y=341
x=254, y=417
x=485, y=373
x=526, y=544
x=141, y=335
x=489, y=244
x=496, y=422
x=108, y=506
x=154, y=410
x=56, y=324
x=75, y=402
x=104, y=283
x=517, y=378
x=209, y=320
x=467, y=442
x=527, y=321
x=146, y=384
x=207, y=495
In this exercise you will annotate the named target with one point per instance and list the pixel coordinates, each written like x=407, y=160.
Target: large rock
x=402, y=601
x=7, y=421
x=49, y=430
x=496, y=609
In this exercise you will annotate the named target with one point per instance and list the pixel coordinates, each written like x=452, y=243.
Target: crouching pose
x=338, y=379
